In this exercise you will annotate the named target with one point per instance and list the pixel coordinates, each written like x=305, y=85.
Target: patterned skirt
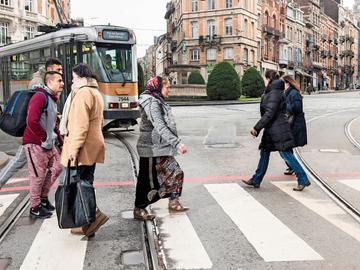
x=159, y=177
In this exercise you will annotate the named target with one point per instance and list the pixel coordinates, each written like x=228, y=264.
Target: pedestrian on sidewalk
x=81, y=125
x=19, y=160
x=295, y=114
x=160, y=176
x=277, y=133
x=39, y=139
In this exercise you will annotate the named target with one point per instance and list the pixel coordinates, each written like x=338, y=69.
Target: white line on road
x=270, y=237
x=353, y=183
x=5, y=201
x=325, y=208
x=55, y=249
x=180, y=240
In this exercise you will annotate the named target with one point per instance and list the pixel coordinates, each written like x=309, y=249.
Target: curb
x=3, y=159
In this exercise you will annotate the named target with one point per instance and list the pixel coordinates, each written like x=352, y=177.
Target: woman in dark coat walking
x=295, y=114
x=277, y=134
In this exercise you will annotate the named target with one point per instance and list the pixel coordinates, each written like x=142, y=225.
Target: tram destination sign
x=115, y=35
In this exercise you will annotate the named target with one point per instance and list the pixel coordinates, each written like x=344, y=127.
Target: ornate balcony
x=209, y=40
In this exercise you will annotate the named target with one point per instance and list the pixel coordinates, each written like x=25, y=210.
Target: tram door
x=5, y=78
x=65, y=53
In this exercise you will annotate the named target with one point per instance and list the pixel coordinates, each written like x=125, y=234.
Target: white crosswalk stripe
x=55, y=249
x=353, y=183
x=181, y=241
x=250, y=217
x=5, y=201
x=326, y=208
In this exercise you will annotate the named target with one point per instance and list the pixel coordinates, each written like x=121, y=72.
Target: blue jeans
x=289, y=158
x=13, y=166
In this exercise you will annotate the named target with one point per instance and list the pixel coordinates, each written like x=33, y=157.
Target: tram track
x=11, y=220
x=330, y=191
x=153, y=253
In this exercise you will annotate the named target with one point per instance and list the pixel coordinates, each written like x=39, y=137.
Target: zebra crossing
x=58, y=249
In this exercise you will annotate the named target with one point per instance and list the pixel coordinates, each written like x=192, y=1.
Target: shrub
x=141, y=79
x=252, y=84
x=196, y=78
x=223, y=83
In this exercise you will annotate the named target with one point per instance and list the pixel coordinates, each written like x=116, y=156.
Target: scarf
x=82, y=82
x=153, y=88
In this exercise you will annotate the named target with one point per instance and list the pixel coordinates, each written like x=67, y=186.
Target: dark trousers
x=146, y=182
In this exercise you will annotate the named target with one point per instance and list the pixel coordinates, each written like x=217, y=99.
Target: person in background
x=52, y=64
x=277, y=134
x=19, y=160
x=81, y=125
x=39, y=139
x=295, y=114
x=160, y=176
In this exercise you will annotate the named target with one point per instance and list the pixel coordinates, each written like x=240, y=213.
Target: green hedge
x=252, y=84
x=195, y=78
x=223, y=83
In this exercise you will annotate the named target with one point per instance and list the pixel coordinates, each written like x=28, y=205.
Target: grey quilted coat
x=158, y=134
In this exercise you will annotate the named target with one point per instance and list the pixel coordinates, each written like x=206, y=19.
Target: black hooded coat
x=277, y=134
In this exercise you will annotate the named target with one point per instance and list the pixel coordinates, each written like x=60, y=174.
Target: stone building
x=203, y=33
x=19, y=19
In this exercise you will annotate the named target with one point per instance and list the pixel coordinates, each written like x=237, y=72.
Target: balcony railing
x=209, y=40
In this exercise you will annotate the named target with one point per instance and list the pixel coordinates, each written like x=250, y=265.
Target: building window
x=228, y=3
x=211, y=4
x=194, y=5
x=266, y=18
x=194, y=30
x=29, y=32
x=4, y=28
x=252, y=57
x=228, y=27
x=246, y=27
x=246, y=56
x=259, y=21
x=211, y=54
x=274, y=21
x=28, y=5
x=274, y=50
x=228, y=53
x=194, y=55
x=211, y=28
x=5, y=2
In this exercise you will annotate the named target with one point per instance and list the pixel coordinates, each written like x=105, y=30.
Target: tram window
x=35, y=54
x=20, y=70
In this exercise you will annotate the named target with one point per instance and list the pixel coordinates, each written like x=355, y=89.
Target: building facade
x=19, y=19
x=203, y=33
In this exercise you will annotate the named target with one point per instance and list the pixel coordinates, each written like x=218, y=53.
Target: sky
x=145, y=17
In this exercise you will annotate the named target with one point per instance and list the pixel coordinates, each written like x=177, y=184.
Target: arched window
x=274, y=21
x=266, y=18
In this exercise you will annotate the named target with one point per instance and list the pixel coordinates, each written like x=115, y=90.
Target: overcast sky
x=146, y=17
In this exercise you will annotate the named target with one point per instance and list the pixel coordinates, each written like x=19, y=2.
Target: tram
x=109, y=50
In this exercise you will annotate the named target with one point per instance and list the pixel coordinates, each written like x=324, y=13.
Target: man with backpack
x=19, y=160
x=39, y=140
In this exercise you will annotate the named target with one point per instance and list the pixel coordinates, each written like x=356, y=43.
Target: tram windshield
x=112, y=62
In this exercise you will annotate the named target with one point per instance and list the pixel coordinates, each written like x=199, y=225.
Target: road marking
x=325, y=208
x=5, y=201
x=55, y=249
x=180, y=240
x=260, y=226
x=353, y=183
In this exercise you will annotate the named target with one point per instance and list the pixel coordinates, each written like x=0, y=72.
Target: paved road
x=229, y=226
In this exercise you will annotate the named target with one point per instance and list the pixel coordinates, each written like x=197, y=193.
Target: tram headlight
x=113, y=105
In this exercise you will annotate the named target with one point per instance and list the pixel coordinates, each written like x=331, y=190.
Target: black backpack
x=13, y=118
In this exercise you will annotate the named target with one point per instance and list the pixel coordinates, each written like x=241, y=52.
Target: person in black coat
x=295, y=114
x=277, y=134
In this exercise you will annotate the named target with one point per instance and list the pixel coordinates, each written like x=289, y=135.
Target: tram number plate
x=124, y=99
x=124, y=105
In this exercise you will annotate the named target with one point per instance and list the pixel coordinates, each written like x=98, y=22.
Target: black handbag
x=75, y=201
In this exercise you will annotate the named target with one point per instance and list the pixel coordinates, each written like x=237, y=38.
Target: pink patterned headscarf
x=153, y=87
